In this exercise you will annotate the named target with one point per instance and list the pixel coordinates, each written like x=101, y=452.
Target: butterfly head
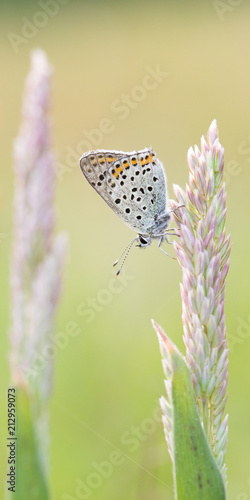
x=144, y=241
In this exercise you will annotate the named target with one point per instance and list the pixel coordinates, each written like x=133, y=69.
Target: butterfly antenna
x=126, y=252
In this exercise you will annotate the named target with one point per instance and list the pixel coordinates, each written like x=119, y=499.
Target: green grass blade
x=196, y=474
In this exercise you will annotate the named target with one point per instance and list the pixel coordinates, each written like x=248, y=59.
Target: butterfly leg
x=167, y=240
x=159, y=246
x=173, y=233
x=167, y=253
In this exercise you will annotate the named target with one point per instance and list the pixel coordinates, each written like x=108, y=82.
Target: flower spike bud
x=38, y=256
x=203, y=252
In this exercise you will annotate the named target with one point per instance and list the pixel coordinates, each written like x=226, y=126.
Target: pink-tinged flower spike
x=203, y=252
x=37, y=260
x=166, y=402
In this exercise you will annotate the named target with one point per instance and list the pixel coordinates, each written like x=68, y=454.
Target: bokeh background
x=109, y=377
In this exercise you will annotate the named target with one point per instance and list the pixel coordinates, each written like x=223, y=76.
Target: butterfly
x=134, y=185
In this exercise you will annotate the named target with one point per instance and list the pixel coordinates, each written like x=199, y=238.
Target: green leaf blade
x=196, y=473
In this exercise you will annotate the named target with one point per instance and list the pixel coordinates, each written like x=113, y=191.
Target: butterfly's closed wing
x=132, y=184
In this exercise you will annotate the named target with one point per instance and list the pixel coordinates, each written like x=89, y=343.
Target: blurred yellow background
x=109, y=376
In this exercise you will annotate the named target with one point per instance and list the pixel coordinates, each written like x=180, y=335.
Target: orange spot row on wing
x=146, y=161
x=117, y=170
x=96, y=160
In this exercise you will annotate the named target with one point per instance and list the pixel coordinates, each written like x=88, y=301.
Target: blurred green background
x=109, y=376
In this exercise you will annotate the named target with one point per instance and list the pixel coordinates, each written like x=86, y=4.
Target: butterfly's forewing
x=95, y=166
x=132, y=184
